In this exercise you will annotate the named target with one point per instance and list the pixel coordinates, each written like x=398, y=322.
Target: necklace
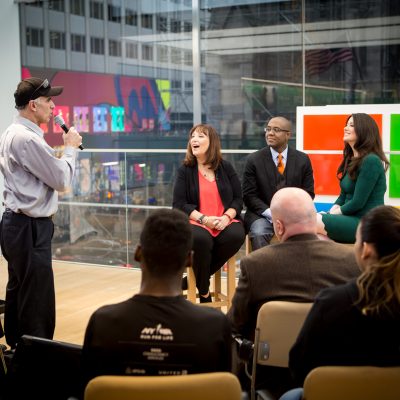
x=205, y=171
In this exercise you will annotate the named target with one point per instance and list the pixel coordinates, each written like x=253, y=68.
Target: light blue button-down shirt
x=32, y=172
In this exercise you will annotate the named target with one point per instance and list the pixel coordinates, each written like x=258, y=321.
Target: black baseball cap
x=32, y=88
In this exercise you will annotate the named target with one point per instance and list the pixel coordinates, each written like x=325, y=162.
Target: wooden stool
x=249, y=247
x=220, y=299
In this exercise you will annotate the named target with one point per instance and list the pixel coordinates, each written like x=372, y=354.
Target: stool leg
x=217, y=285
x=248, y=245
x=231, y=280
x=191, y=292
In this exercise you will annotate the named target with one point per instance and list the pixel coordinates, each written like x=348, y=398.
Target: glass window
x=176, y=55
x=175, y=84
x=130, y=17
x=162, y=24
x=56, y=5
x=114, y=48
x=251, y=55
x=77, y=7
x=96, y=45
x=131, y=50
x=162, y=54
x=242, y=74
x=34, y=37
x=78, y=43
x=96, y=9
x=147, y=21
x=147, y=52
x=38, y=3
x=57, y=40
x=114, y=13
x=188, y=58
x=175, y=26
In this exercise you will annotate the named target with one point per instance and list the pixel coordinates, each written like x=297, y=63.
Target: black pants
x=30, y=297
x=211, y=253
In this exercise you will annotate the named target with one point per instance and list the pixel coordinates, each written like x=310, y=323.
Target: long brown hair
x=379, y=284
x=368, y=141
x=213, y=154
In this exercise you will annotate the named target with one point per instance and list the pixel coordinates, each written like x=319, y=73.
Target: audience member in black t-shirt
x=158, y=332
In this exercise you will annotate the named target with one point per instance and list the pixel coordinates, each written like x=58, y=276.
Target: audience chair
x=353, y=383
x=278, y=325
x=220, y=299
x=44, y=369
x=214, y=385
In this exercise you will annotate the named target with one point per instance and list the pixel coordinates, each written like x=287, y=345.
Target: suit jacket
x=294, y=270
x=186, y=189
x=336, y=332
x=261, y=180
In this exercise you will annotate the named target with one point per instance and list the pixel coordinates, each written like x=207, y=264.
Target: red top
x=210, y=203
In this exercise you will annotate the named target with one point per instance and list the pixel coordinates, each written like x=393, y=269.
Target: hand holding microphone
x=72, y=140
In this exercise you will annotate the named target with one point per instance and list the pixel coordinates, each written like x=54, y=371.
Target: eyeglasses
x=44, y=85
x=275, y=129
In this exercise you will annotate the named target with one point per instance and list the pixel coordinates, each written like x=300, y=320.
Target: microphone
x=59, y=120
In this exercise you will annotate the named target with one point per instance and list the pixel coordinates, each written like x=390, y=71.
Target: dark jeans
x=30, y=298
x=211, y=253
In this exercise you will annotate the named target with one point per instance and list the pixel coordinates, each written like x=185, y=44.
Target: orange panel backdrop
x=325, y=167
x=325, y=132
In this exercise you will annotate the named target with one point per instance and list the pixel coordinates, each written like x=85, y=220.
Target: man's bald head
x=293, y=213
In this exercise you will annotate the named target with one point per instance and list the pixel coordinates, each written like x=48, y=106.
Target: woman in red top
x=208, y=190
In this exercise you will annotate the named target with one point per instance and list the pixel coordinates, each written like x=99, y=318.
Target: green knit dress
x=356, y=199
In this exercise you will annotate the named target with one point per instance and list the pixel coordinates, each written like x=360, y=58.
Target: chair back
x=353, y=383
x=278, y=325
x=44, y=369
x=213, y=385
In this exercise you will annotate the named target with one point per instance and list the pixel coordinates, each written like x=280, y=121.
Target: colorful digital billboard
x=106, y=104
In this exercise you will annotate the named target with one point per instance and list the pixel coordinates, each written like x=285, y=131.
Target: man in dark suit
x=295, y=269
x=268, y=170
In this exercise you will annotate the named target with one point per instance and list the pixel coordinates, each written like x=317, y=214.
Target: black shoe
x=207, y=299
x=184, y=283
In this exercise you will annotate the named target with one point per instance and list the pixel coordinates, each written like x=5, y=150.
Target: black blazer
x=186, y=188
x=336, y=332
x=261, y=179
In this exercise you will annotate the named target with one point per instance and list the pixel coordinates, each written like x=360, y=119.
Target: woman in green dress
x=362, y=179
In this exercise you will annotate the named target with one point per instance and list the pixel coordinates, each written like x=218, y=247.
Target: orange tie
x=280, y=165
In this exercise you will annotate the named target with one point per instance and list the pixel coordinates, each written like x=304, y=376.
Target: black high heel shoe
x=184, y=283
x=207, y=299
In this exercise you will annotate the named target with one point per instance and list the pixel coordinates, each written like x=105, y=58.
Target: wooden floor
x=80, y=290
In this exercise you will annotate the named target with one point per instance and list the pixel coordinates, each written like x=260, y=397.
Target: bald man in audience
x=295, y=269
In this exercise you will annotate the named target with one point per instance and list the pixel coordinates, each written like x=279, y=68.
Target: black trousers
x=30, y=297
x=211, y=253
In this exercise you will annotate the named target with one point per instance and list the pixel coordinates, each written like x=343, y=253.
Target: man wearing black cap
x=32, y=177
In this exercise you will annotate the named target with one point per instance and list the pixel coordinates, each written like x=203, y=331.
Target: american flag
x=318, y=61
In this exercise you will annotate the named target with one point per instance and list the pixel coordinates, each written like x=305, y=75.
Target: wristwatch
x=200, y=220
